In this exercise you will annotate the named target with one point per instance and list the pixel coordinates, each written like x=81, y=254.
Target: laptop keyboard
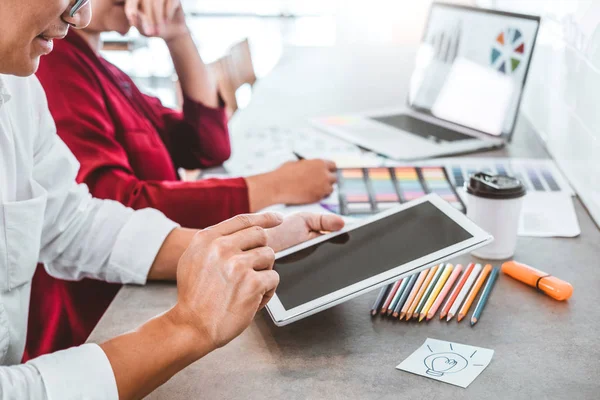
x=422, y=128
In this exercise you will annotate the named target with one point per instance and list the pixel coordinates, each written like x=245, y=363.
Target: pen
x=298, y=156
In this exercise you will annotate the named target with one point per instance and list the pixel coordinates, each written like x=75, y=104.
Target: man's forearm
x=164, y=266
x=196, y=81
x=146, y=358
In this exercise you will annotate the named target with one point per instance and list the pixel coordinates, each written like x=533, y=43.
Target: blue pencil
x=380, y=297
x=407, y=290
x=484, y=296
x=397, y=296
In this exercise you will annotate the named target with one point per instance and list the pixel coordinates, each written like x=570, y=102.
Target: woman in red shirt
x=130, y=147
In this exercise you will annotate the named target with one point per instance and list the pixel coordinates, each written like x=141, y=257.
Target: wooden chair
x=232, y=71
x=224, y=73
x=242, y=63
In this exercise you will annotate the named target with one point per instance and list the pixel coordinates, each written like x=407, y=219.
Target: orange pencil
x=478, y=284
x=421, y=292
x=456, y=291
x=413, y=293
x=444, y=291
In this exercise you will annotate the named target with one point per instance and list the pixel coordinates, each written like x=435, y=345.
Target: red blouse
x=129, y=147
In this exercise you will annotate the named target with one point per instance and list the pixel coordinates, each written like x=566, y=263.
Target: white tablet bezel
x=282, y=317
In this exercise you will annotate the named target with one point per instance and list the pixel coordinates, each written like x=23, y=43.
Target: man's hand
x=160, y=18
x=225, y=276
x=300, y=227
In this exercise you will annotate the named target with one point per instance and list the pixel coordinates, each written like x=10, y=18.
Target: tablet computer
x=339, y=266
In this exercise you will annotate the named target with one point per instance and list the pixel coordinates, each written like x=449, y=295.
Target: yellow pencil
x=420, y=293
x=478, y=284
x=436, y=291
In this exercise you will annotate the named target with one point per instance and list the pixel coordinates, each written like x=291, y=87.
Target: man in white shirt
x=224, y=273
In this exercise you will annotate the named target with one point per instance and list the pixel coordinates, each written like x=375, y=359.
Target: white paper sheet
x=548, y=215
x=453, y=363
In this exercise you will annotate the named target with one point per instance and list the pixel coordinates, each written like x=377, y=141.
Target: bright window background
x=271, y=26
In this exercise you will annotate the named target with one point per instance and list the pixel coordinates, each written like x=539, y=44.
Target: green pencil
x=427, y=293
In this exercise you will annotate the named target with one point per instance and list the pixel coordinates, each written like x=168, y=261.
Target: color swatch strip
x=365, y=191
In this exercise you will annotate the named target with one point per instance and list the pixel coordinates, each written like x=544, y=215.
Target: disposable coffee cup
x=494, y=203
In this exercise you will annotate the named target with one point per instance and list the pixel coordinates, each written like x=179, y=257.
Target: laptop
x=464, y=92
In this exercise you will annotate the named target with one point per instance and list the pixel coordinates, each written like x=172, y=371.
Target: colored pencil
x=390, y=296
x=379, y=299
x=417, y=298
x=413, y=293
x=485, y=295
x=456, y=291
x=425, y=297
x=464, y=291
x=436, y=291
x=397, y=296
x=407, y=290
x=438, y=302
x=478, y=284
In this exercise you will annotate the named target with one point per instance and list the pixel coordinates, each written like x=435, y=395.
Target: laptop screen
x=471, y=67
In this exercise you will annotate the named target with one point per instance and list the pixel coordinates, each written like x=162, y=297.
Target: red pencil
x=456, y=291
x=390, y=297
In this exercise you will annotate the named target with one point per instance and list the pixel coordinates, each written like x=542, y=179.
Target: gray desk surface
x=543, y=348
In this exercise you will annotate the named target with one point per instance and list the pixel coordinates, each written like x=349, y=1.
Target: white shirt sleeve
x=78, y=373
x=85, y=237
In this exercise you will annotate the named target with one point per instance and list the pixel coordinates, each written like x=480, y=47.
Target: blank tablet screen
x=365, y=252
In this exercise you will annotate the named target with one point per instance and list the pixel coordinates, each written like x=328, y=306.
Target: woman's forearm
x=196, y=80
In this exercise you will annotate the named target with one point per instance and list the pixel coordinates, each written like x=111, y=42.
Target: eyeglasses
x=79, y=4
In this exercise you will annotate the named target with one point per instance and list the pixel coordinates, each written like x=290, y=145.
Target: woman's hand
x=295, y=182
x=159, y=18
x=300, y=227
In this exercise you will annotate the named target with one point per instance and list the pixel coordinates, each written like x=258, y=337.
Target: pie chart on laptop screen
x=507, y=51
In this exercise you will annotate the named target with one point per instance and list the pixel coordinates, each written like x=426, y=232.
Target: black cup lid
x=495, y=186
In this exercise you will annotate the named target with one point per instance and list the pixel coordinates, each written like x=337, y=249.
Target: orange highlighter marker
x=551, y=285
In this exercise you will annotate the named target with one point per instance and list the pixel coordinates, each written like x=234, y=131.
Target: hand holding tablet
x=337, y=267
x=224, y=277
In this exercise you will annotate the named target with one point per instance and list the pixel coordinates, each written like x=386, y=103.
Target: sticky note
x=449, y=362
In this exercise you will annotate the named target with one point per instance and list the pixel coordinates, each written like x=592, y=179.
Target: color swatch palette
x=364, y=191
x=537, y=177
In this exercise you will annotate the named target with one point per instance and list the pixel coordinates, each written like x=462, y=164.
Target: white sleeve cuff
x=82, y=372
x=138, y=244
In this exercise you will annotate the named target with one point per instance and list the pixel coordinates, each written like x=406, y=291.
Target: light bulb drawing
x=439, y=364
x=453, y=363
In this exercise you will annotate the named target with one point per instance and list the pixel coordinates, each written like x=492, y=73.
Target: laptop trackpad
x=421, y=128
